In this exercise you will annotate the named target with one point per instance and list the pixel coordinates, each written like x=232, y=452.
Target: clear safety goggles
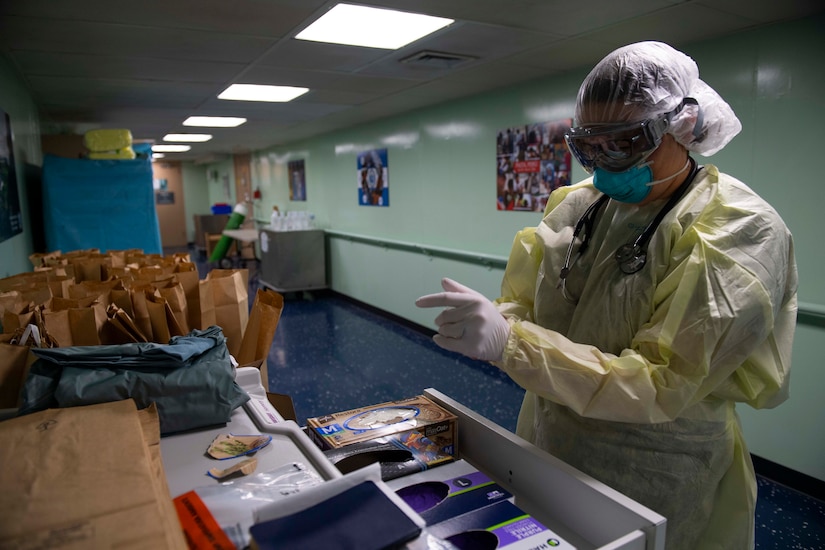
x=616, y=147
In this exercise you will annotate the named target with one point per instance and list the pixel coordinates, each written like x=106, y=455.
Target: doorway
x=169, y=203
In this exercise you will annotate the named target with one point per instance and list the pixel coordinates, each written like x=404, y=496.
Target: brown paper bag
x=257, y=339
x=9, y=301
x=75, y=322
x=140, y=312
x=121, y=297
x=88, y=495
x=40, y=259
x=14, y=360
x=206, y=303
x=187, y=276
x=172, y=291
x=60, y=286
x=17, y=316
x=120, y=328
x=73, y=327
x=23, y=280
x=101, y=290
x=229, y=290
x=89, y=267
x=156, y=306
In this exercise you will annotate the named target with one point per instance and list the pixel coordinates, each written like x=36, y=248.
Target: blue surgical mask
x=630, y=186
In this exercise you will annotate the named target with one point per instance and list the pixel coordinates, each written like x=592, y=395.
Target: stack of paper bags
x=87, y=298
x=86, y=477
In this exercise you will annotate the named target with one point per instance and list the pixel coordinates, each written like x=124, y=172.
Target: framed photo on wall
x=297, y=180
x=11, y=219
x=373, y=178
x=531, y=161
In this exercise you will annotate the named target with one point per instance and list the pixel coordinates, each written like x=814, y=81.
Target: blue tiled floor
x=332, y=355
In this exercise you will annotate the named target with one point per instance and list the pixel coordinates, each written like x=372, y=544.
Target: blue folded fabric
x=361, y=518
x=179, y=352
x=191, y=379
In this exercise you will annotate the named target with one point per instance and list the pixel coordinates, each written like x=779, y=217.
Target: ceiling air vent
x=437, y=60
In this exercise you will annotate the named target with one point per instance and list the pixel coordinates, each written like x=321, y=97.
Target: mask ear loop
x=632, y=257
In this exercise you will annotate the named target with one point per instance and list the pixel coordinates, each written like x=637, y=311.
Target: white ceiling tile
x=48, y=35
x=147, y=66
x=319, y=56
x=286, y=76
x=271, y=18
x=113, y=66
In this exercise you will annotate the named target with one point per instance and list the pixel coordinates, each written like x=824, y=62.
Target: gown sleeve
x=721, y=327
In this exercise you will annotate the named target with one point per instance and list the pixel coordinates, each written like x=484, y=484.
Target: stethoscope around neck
x=631, y=257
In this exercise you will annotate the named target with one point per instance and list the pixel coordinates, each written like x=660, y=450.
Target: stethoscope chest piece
x=631, y=258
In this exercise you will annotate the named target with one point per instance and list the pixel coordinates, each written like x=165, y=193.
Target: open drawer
x=587, y=513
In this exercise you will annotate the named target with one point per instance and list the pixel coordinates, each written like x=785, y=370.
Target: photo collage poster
x=11, y=219
x=297, y=180
x=373, y=178
x=532, y=160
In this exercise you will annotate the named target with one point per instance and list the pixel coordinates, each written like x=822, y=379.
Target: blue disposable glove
x=471, y=324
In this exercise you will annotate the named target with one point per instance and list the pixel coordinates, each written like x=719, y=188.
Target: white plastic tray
x=184, y=455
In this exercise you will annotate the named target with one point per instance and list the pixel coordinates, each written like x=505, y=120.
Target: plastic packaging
x=126, y=153
x=103, y=204
x=107, y=140
x=233, y=503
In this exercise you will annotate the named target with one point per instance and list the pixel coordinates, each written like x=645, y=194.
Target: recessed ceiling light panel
x=371, y=27
x=214, y=121
x=170, y=148
x=188, y=138
x=260, y=92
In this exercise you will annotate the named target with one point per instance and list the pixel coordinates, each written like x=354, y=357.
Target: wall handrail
x=487, y=260
x=808, y=313
x=811, y=314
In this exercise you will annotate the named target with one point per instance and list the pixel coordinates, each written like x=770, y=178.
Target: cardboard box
x=418, y=413
x=438, y=501
x=398, y=454
x=500, y=525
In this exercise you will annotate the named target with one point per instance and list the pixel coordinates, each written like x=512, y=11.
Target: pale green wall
x=220, y=179
x=195, y=195
x=17, y=103
x=442, y=192
x=774, y=80
x=205, y=185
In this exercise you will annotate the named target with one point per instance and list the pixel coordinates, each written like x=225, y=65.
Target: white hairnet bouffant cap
x=646, y=79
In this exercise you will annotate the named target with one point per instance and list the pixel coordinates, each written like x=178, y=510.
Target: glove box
x=585, y=512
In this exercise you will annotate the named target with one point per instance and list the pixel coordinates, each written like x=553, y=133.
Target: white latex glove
x=471, y=324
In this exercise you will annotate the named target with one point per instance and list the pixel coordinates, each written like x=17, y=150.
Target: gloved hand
x=471, y=324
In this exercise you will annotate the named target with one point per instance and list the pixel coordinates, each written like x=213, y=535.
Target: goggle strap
x=700, y=118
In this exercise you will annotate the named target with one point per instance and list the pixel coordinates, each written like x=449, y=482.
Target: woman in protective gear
x=650, y=299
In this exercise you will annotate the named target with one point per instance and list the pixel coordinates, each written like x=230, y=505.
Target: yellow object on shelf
x=118, y=154
x=107, y=140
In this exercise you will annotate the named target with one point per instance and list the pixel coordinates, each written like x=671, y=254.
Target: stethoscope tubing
x=630, y=257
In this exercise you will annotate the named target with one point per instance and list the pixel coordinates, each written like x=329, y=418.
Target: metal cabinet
x=293, y=260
